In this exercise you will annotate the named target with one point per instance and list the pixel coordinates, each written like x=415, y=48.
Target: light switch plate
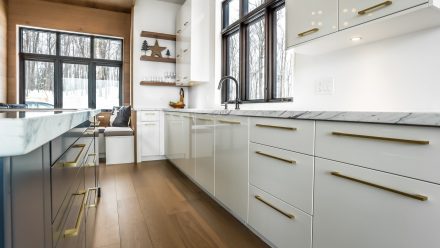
x=325, y=86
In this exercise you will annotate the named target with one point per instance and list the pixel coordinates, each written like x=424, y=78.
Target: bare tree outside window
x=253, y=4
x=39, y=78
x=234, y=62
x=256, y=60
x=108, y=49
x=75, y=86
x=75, y=46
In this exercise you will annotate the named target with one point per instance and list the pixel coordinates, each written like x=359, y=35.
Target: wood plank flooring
x=154, y=205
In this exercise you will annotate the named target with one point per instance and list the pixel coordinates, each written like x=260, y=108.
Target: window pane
x=284, y=63
x=108, y=49
x=75, y=86
x=233, y=68
x=256, y=55
x=38, y=42
x=75, y=46
x=107, y=87
x=232, y=12
x=39, y=83
x=253, y=4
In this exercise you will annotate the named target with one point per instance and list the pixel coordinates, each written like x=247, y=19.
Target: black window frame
x=59, y=60
x=267, y=11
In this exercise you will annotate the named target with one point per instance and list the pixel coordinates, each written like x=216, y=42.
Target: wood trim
x=158, y=59
x=160, y=36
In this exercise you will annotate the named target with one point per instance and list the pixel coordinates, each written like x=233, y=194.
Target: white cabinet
x=281, y=224
x=363, y=208
x=231, y=164
x=195, y=44
x=310, y=19
x=204, y=151
x=355, y=12
x=149, y=135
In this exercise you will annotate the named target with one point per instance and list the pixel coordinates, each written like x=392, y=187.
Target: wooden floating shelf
x=158, y=59
x=149, y=83
x=159, y=36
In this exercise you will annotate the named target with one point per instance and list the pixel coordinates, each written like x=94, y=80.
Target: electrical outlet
x=325, y=86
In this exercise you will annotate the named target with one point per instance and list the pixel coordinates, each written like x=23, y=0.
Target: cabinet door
x=231, y=164
x=355, y=12
x=186, y=162
x=310, y=19
x=150, y=138
x=358, y=208
x=204, y=152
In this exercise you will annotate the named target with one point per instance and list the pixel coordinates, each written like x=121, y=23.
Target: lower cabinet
x=280, y=223
x=364, y=208
x=231, y=164
x=204, y=151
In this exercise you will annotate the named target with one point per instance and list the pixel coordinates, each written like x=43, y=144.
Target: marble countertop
x=397, y=118
x=23, y=131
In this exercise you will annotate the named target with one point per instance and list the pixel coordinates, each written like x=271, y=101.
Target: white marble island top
x=396, y=118
x=22, y=131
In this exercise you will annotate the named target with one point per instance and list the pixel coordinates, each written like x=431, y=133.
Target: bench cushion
x=118, y=131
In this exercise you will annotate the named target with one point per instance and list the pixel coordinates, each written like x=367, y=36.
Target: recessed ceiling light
x=356, y=38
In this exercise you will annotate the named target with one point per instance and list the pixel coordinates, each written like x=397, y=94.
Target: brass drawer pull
x=375, y=7
x=203, y=119
x=186, y=50
x=308, y=32
x=278, y=127
x=69, y=233
x=93, y=164
x=229, y=122
x=74, y=163
x=288, y=215
x=186, y=23
x=413, y=196
x=275, y=157
x=416, y=142
x=95, y=202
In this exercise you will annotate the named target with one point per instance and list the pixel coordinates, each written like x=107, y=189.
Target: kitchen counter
x=22, y=131
x=396, y=118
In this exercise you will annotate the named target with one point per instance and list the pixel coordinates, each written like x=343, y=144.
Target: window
x=254, y=51
x=66, y=70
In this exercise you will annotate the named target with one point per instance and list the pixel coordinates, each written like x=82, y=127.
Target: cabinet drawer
x=293, y=135
x=64, y=171
x=284, y=174
x=280, y=223
x=404, y=150
x=60, y=144
x=69, y=212
x=355, y=12
x=364, y=208
x=149, y=115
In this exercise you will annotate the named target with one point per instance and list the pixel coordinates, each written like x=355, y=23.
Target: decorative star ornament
x=156, y=50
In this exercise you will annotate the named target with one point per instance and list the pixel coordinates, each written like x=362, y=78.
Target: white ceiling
x=173, y=1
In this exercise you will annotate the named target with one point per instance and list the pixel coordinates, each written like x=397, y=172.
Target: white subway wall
x=399, y=74
x=154, y=16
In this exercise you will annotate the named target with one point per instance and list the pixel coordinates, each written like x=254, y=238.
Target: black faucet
x=237, y=97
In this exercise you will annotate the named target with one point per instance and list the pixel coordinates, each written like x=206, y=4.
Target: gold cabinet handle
x=186, y=23
x=278, y=127
x=179, y=31
x=288, y=215
x=95, y=202
x=413, y=196
x=186, y=50
x=416, y=142
x=229, y=122
x=275, y=157
x=69, y=233
x=375, y=7
x=74, y=163
x=308, y=32
x=94, y=155
x=203, y=119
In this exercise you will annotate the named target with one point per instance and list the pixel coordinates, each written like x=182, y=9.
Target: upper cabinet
x=310, y=19
x=355, y=12
x=319, y=26
x=194, y=46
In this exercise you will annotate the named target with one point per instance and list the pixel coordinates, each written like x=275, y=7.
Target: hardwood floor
x=155, y=205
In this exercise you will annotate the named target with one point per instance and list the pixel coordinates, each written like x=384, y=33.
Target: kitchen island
x=49, y=177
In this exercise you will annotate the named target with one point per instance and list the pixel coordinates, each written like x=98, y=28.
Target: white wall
x=398, y=74
x=153, y=16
